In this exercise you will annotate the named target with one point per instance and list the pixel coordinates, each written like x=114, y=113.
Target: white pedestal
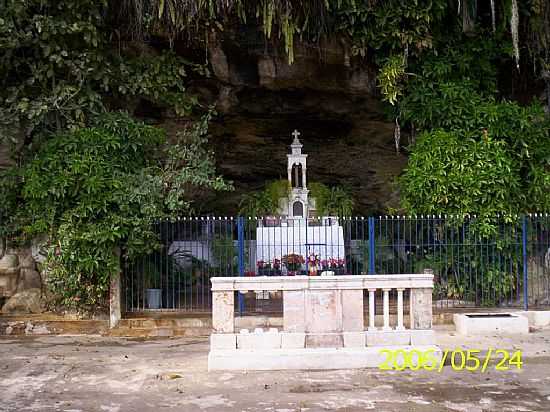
x=312, y=358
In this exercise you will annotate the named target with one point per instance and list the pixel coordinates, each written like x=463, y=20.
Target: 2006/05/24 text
x=459, y=359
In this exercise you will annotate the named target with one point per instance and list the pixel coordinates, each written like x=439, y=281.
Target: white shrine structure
x=297, y=230
x=323, y=316
x=298, y=204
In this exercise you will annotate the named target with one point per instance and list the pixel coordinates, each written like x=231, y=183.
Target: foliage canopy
x=100, y=188
x=60, y=66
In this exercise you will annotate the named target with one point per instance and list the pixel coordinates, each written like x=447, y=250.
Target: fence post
x=371, y=246
x=115, y=294
x=240, y=241
x=307, y=251
x=525, y=268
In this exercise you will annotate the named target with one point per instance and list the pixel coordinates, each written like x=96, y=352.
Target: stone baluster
x=386, y=309
x=400, y=310
x=371, y=309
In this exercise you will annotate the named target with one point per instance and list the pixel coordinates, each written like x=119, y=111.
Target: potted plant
x=276, y=267
x=153, y=294
x=269, y=268
x=338, y=266
x=263, y=267
x=293, y=263
x=334, y=265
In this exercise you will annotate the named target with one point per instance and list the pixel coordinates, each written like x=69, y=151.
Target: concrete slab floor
x=93, y=373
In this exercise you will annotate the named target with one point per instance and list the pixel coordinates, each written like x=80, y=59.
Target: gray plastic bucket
x=153, y=298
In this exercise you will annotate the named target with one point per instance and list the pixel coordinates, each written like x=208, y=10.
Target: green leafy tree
x=491, y=158
x=59, y=67
x=97, y=189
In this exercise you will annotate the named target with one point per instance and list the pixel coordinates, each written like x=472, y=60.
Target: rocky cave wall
x=328, y=96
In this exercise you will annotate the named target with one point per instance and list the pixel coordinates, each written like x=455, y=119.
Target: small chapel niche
x=297, y=180
x=298, y=209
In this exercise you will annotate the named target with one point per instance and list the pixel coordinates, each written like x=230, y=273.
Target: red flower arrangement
x=333, y=263
x=336, y=265
x=293, y=262
x=269, y=268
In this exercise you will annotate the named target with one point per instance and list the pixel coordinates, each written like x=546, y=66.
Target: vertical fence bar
x=240, y=238
x=525, y=268
x=371, y=246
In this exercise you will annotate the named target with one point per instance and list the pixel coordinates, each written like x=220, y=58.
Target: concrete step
x=158, y=325
x=160, y=332
x=202, y=322
x=34, y=325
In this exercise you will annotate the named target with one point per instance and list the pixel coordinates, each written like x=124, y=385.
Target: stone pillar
x=400, y=309
x=223, y=311
x=115, y=296
x=372, y=307
x=421, y=306
x=115, y=312
x=386, y=303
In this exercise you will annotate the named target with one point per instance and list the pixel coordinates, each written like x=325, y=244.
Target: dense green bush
x=264, y=202
x=496, y=160
x=60, y=66
x=99, y=189
x=448, y=173
x=330, y=201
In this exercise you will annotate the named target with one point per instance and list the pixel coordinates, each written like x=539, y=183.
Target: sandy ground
x=92, y=373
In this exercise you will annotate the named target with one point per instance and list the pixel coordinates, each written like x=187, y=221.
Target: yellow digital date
x=458, y=359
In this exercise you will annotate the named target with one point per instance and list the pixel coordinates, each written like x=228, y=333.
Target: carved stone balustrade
x=320, y=313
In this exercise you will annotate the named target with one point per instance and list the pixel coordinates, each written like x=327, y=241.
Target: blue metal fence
x=505, y=264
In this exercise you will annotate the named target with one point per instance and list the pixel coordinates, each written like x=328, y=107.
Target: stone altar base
x=272, y=349
x=323, y=322
x=310, y=359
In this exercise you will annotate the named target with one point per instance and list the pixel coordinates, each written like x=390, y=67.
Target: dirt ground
x=93, y=373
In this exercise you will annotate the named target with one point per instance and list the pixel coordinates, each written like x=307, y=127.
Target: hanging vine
x=493, y=17
x=397, y=134
x=514, y=23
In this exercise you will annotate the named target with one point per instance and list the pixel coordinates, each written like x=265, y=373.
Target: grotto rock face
x=242, y=58
x=27, y=301
x=9, y=274
x=20, y=282
x=330, y=97
x=346, y=144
